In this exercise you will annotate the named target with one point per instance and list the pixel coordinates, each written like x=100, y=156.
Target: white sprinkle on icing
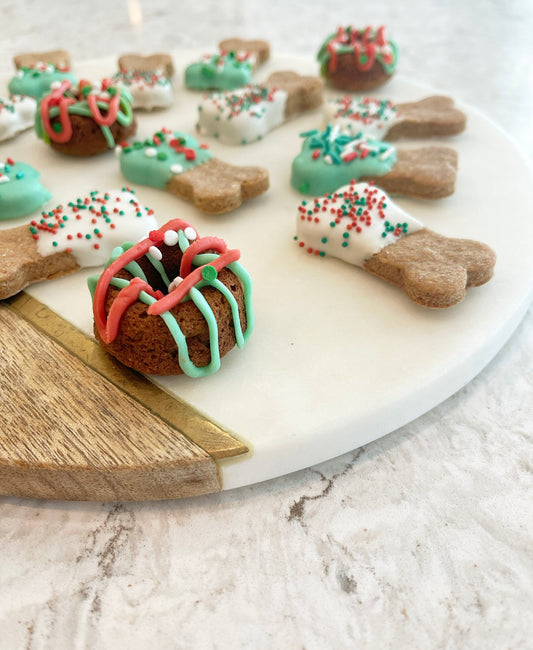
x=155, y=253
x=171, y=238
x=190, y=233
x=150, y=152
x=175, y=283
x=176, y=169
x=387, y=153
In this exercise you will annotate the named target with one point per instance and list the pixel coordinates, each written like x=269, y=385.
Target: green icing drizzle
x=196, y=296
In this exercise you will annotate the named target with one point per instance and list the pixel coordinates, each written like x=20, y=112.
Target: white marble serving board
x=338, y=358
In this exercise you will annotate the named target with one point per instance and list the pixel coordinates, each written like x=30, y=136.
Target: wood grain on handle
x=67, y=432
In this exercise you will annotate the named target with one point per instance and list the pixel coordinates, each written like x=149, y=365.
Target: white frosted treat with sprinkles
x=16, y=115
x=90, y=227
x=352, y=224
x=149, y=90
x=242, y=116
x=352, y=115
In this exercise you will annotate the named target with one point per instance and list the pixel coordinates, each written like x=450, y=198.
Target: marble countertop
x=421, y=539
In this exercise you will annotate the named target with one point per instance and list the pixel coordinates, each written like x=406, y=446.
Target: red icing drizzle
x=364, y=45
x=108, y=327
x=57, y=98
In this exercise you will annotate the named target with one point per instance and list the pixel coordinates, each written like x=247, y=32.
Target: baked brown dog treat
x=358, y=59
x=85, y=121
x=425, y=173
x=175, y=162
x=304, y=92
x=260, y=50
x=247, y=114
x=182, y=303
x=370, y=231
x=433, y=270
x=78, y=234
x=60, y=59
x=385, y=120
x=152, y=63
x=330, y=159
x=146, y=79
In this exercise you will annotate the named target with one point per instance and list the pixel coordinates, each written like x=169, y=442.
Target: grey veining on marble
x=419, y=540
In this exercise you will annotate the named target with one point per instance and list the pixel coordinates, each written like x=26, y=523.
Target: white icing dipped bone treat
x=247, y=114
x=17, y=114
x=385, y=120
x=359, y=224
x=78, y=234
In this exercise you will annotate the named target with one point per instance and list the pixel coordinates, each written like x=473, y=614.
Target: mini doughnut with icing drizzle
x=173, y=303
x=66, y=118
x=358, y=59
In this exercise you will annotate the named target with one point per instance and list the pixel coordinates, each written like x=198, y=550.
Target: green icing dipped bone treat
x=175, y=162
x=21, y=192
x=330, y=159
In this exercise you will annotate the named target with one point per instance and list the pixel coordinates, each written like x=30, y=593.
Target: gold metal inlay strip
x=183, y=417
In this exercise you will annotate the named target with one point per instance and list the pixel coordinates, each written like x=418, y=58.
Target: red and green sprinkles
x=91, y=216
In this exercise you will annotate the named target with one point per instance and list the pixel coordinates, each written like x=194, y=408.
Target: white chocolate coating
x=149, y=91
x=243, y=115
x=353, y=223
x=372, y=117
x=16, y=114
x=91, y=227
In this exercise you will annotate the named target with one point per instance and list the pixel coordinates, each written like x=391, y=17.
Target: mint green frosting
x=21, y=192
x=156, y=160
x=36, y=83
x=327, y=160
x=218, y=72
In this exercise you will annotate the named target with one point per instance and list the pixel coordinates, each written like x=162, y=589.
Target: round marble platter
x=338, y=358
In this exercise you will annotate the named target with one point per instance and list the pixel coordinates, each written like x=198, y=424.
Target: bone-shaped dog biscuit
x=151, y=63
x=385, y=120
x=58, y=58
x=247, y=114
x=78, y=234
x=330, y=159
x=259, y=49
x=361, y=225
x=174, y=161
